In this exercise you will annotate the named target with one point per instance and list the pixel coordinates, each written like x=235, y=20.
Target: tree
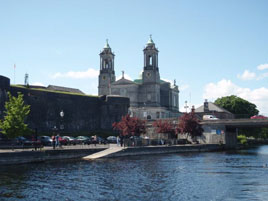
x=16, y=112
x=165, y=126
x=130, y=126
x=238, y=106
x=189, y=125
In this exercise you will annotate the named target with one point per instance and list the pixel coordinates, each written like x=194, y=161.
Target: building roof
x=123, y=81
x=139, y=81
x=212, y=107
x=65, y=89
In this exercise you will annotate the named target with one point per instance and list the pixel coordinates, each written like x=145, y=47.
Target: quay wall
x=151, y=150
x=22, y=157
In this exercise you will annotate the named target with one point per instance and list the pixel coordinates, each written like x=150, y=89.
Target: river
x=240, y=175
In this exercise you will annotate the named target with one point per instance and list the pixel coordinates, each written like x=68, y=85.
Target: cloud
x=224, y=87
x=184, y=87
x=262, y=76
x=38, y=84
x=262, y=66
x=167, y=80
x=89, y=73
x=247, y=75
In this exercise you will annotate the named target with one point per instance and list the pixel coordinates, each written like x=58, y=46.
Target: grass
x=51, y=91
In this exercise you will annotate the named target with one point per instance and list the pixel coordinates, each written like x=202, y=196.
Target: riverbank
x=9, y=157
x=152, y=150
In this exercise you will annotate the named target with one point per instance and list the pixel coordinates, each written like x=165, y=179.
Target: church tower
x=106, y=76
x=150, y=76
x=150, y=70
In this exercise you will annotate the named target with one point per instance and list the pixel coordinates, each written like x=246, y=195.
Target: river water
x=228, y=176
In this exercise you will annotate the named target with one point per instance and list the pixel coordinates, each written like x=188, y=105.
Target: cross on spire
x=150, y=41
x=107, y=44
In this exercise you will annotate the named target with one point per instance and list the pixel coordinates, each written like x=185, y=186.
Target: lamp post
x=186, y=106
x=61, y=123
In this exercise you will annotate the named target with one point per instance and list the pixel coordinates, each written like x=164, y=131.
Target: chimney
x=206, y=106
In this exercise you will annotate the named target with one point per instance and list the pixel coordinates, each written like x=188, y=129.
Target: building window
x=150, y=60
x=123, y=92
x=149, y=97
x=157, y=115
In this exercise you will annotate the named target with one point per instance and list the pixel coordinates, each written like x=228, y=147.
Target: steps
x=112, y=149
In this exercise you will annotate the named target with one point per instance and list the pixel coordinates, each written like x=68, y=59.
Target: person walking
x=118, y=141
x=121, y=140
x=57, y=140
x=53, y=141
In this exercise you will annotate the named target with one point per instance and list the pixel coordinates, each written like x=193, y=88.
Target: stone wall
x=82, y=114
x=22, y=157
x=4, y=88
x=151, y=150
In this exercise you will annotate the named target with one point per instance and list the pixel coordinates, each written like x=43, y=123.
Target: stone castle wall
x=4, y=88
x=82, y=114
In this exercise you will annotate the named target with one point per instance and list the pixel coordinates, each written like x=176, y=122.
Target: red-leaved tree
x=130, y=126
x=165, y=126
x=189, y=125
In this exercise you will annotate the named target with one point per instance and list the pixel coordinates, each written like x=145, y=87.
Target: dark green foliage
x=242, y=139
x=264, y=133
x=16, y=113
x=238, y=106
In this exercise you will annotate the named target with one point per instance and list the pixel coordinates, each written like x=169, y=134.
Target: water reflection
x=199, y=176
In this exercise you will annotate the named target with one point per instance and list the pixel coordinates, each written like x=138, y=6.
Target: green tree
x=16, y=112
x=239, y=107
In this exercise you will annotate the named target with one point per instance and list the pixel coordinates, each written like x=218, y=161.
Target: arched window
x=150, y=60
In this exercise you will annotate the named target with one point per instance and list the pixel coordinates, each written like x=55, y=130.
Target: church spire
x=107, y=46
x=150, y=41
x=107, y=75
x=150, y=55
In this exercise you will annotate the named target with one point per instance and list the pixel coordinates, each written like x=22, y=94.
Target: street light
x=61, y=115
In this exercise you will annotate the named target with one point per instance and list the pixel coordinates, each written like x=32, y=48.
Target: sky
x=212, y=48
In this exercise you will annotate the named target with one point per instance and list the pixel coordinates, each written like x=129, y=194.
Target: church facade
x=150, y=97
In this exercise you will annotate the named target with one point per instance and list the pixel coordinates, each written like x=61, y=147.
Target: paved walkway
x=92, y=146
x=112, y=149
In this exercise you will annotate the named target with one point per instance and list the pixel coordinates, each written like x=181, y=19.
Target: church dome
x=106, y=46
x=150, y=41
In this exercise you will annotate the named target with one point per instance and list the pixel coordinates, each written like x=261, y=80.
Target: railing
x=9, y=144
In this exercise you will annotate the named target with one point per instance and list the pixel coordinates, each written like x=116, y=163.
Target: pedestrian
x=121, y=140
x=53, y=141
x=57, y=140
x=118, y=141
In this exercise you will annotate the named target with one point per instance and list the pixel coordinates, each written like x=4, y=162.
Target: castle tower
x=150, y=70
x=106, y=76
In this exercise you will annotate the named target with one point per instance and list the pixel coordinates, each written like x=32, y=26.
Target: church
x=150, y=97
